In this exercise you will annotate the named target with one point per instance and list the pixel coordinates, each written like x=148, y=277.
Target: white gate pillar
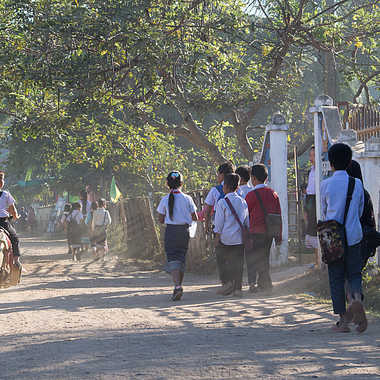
x=278, y=151
x=327, y=131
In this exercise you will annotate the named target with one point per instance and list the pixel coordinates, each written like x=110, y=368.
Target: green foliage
x=128, y=86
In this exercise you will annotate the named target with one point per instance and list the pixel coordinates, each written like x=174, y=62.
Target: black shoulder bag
x=332, y=234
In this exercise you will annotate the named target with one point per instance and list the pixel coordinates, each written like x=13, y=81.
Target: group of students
x=86, y=225
x=233, y=207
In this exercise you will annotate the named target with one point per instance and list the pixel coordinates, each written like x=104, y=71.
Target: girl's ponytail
x=171, y=205
x=174, y=180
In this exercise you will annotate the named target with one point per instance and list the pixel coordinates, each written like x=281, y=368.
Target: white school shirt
x=244, y=190
x=6, y=200
x=213, y=196
x=184, y=206
x=225, y=223
x=310, y=189
x=101, y=217
x=333, y=201
x=75, y=215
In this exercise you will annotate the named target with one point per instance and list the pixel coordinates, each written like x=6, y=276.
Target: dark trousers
x=4, y=223
x=230, y=261
x=348, y=268
x=257, y=259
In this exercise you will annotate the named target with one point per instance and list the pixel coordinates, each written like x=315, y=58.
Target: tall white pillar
x=327, y=128
x=278, y=135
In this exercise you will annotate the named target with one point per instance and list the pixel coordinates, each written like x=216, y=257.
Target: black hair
x=174, y=181
x=244, y=172
x=354, y=170
x=312, y=147
x=94, y=205
x=340, y=156
x=76, y=206
x=260, y=172
x=67, y=207
x=232, y=181
x=226, y=168
x=102, y=202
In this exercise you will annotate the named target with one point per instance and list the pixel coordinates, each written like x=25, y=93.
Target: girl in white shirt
x=177, y=210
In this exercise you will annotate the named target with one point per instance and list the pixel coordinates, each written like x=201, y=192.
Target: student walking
x=66, y=212
x=337, y=205
x=367, y=219
x=177, y=210
x=88, y=221
x=244, y=173
x=74, y=231
x=229, y=240
x=310, y=213
x=261, y=201
x=215, y=194
x=101, y=219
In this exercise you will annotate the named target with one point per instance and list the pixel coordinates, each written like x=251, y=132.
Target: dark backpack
x=220, y=190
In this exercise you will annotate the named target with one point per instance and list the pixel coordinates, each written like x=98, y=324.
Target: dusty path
x=98, y=320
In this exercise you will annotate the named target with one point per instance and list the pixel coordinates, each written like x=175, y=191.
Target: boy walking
x=261, y=200
x=333, y=202
x=229, y=242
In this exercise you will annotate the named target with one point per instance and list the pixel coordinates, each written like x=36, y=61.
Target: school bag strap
x=246, y=236
x=234, y=212
x=1, y=193
x=258, y=196
x=350, y=191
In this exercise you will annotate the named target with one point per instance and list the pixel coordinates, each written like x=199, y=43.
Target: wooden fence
x=364, y=119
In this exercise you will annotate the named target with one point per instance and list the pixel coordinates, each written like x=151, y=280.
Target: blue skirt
x=176, y=246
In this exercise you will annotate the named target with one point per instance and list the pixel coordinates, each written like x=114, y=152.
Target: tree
x=106, y=68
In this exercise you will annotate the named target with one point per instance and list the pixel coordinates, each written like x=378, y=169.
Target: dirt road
x=95, y=320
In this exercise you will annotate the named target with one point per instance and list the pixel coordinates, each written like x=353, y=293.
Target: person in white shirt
x=310, y=215
x=333, y=201
x=101, y=219
x=74, y=232
x=229, y=240
x=216, y=193
x=245, y=187
x=177, y=210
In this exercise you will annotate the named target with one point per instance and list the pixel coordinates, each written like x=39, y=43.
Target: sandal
x=359, y=317
x=341, y=327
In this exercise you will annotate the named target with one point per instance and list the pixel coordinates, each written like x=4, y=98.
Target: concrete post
x=321, y=140
x=278, y=135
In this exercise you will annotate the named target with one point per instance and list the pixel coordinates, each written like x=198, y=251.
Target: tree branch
x=363, y=85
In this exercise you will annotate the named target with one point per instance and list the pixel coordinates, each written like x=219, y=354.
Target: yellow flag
x=115, y=193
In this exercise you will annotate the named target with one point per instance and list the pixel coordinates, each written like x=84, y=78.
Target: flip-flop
x=340, y=327
x=359, y=317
